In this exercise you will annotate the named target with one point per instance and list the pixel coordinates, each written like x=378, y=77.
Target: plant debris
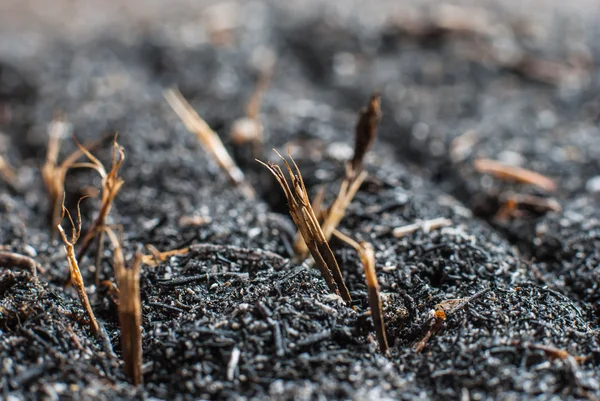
x=513, y=173
x=111, y=185
x=209, y=140
x=367, y=258
x=74, y=272
x=130, y=309
x=308, y=225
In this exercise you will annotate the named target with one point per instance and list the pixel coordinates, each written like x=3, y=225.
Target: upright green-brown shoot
x=75, y=273
x=307, y=223
x=209, y=140
x=130, y=309
x=111, y=184
x=367, y=258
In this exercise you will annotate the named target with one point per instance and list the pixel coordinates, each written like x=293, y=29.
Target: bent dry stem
x=111, y=185
x=75, y=273
x=367, y=257
x=307, y=223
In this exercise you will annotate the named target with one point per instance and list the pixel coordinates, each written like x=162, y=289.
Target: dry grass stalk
x=366, y=129
x=307, y=223
x=209, y=140
x=519, y=206
x=111, y=184
x=53, y=173
x=367, y=258
x=130, y=309
x=156, y=257
x=426, y=226
x=513, y=173
x=75, y=273
x=130, y=315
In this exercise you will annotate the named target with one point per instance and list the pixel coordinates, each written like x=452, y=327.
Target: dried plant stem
x=337, y=211
x=111, y=184
x=426, y=226
x=367, y=258
x=53, y=173
x=130, y=310
x=209, y=140
x=365, y=132
x=366, y=129
x=307, y=223
x=157, y=256
x=75, y=273
x=514, y=173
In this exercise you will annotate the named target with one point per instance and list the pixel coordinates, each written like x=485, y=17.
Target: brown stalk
x=513, y=173
x=75, y=273
x=367, y=258
x=307, y=223
x=522, y=205
x=53, y=173
x=366, y=128
x=157, y=256
x=111, y=184
x=130, y=309
x=209, y=140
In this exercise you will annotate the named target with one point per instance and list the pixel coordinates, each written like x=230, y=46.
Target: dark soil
x=239, y=290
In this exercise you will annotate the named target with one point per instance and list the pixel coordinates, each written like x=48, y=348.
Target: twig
x=18, y=260
x=426, y=226
x=367, y=258
x=515, y=204
x=157, y=256
x=130, y=310
x=202, y=277
x=209, y=140
x=74, y=272
x=307, y=223
x=440, y=313
x=514, y=173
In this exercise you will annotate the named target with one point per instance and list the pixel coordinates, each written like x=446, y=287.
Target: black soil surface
x=524, y=90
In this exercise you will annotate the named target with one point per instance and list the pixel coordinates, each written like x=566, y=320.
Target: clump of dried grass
x=307, y=223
